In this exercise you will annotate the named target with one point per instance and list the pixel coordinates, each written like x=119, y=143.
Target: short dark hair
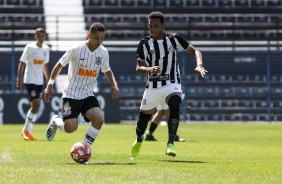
x=97, y=26
x=40, y=30
x=155, y=15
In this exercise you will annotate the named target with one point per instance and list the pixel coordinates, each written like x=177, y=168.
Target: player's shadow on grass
x=104, y=163
x=185, y=161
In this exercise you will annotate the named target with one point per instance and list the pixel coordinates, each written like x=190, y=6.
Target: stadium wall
x=239, y=86
x=13, y=108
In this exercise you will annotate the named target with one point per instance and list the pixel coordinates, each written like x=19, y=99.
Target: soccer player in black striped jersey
x=157, y=57
x=85, y=60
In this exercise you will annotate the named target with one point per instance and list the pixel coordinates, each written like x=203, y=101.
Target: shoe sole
x=49, y=134
x=171, y=154
x=49, y=131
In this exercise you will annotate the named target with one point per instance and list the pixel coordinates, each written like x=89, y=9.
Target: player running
x=85, y=62
x=34, y=59
x=158, y=52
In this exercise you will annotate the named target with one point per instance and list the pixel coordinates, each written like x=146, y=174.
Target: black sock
x=152, y=128
x=172, y=129
x=142, y=125
x=173, y=121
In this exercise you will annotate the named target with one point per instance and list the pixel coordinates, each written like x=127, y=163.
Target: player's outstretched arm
x=111, y=78
x=200, y=70
x=48, y=92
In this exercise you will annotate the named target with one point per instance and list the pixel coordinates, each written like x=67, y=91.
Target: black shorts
x=71, y=107
x=34, y=91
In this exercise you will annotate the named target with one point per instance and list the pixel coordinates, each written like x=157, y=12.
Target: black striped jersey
x=84, y=67
x=34, y=57
x=162, y=53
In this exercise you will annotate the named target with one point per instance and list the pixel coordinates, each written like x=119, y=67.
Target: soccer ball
x=80, y=152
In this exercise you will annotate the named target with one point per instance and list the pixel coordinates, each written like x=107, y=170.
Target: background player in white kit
x=157, y=57
x=34, y=59
x=85, y=61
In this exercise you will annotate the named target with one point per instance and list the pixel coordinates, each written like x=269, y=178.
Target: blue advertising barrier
x=13, y=108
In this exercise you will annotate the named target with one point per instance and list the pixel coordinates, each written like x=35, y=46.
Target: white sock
x=91, y=135
x=31, y=125
x=28, y=120
x=60, y=124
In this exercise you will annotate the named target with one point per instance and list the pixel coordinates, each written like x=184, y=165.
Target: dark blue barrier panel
x=13, y=108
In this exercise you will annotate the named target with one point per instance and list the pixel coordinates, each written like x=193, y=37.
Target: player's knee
x=174, y=106
x=35, y=105
x=70, y=127
x=174, y=102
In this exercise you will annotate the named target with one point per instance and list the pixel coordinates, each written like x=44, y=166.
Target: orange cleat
x=27, y=136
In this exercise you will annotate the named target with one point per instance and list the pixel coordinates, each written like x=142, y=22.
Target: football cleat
x=27, y=136
x=150, y=138
x=52, y=128
x=135, y=149
x=170, y=150
x=179, y=139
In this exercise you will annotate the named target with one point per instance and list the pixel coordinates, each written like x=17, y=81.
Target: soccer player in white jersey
x=34, y=59
x=85, y=62
x=157, y=57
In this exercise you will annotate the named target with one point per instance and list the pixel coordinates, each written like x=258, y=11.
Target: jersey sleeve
x=106, y=63
x=24, y=56
x=67, y=57
x=47, y=55
x=181, y=43
x=141, y=52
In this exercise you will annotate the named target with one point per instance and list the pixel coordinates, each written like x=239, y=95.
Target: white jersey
x=34, y=57
x=84, y=67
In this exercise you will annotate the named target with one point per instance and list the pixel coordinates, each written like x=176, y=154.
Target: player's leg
x=177, y=137
x=173, y=102
x=69, y=123
x=34, y=92
x=173, y=99
x=144, y=118
x=149, y=101
x=92, y=113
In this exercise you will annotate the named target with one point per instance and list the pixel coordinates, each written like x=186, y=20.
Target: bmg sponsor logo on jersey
x=38, y=62
x=87, y=72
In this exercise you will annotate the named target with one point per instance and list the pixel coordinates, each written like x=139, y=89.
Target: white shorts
x=164, y=106
x=153, y=97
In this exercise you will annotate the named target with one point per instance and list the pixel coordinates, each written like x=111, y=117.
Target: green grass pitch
x=212, y=153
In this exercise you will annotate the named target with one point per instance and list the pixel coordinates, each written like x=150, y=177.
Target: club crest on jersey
x=98, y=60
x=67, y=109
